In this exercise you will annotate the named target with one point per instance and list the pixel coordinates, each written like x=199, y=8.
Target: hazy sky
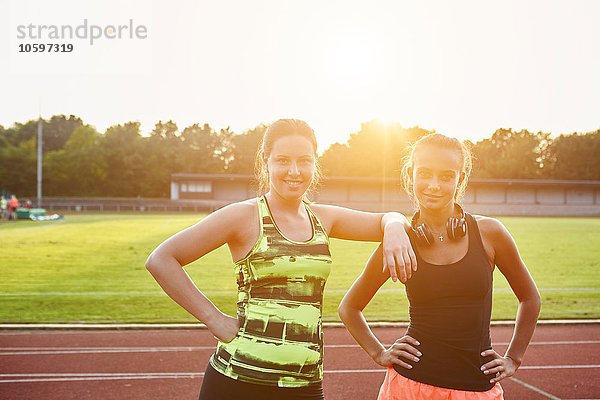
x=464, y=68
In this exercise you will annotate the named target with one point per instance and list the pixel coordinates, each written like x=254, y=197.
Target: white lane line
x=9, y=351
x=535, y=389
x=87, y=374
x=57, y=377
x=66, y=377
x=98, y=350
x=232, y=292
x=333, y=371
x=91, y=379
x=160, y=348
x=541, y=343
x=576, y=366
x=354, y=371
x=130, y=293
x=555, y=342
x=85, y=328
x=88, y=328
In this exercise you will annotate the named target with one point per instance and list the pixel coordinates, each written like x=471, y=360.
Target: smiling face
x=291, y=166
x=436, y=173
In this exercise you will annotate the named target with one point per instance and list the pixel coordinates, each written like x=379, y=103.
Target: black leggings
x=216, y=386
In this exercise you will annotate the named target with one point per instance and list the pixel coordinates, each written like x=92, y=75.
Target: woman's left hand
x=500, y=367
x=398, y=255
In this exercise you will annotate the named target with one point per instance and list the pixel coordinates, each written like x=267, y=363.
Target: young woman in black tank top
x=446, y=352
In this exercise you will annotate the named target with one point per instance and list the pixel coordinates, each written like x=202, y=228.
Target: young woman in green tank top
x=273, y=348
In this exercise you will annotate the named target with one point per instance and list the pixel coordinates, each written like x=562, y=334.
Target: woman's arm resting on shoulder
x=351, y=313
x=166, y=263
x=511, y=265
x=390, y=228
x=398, y=254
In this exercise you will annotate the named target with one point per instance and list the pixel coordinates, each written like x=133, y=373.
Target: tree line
x=121, y=162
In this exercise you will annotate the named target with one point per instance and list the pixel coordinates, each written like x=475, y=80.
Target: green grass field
x=90, y=268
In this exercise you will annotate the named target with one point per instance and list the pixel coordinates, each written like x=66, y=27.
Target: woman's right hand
x=225, y=328
x=403, y=349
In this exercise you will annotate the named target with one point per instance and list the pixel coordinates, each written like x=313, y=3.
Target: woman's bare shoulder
x=490, y=227
x=241, y=210
x=328, y=209
x=484, y=219
x=325, y=212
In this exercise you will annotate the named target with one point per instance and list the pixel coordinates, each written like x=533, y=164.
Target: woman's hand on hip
x=398, y=353
x=500, y=367
x=224, y=327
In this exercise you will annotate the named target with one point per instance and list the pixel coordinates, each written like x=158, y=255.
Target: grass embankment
x=90, y=268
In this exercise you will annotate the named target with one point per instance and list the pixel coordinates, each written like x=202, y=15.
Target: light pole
x=39, y=162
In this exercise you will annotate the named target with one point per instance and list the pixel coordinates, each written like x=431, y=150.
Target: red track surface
x=137, y=364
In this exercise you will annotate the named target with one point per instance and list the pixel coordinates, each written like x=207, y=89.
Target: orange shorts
x=397, y=387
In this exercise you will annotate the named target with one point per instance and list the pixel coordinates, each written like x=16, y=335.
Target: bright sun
x=356, y=59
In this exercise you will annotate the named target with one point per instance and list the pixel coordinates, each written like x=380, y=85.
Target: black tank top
x=450, y=312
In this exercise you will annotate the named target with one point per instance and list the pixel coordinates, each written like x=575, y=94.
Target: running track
x=563, y=362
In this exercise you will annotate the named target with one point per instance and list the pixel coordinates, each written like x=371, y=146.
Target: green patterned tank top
x=280, y=297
